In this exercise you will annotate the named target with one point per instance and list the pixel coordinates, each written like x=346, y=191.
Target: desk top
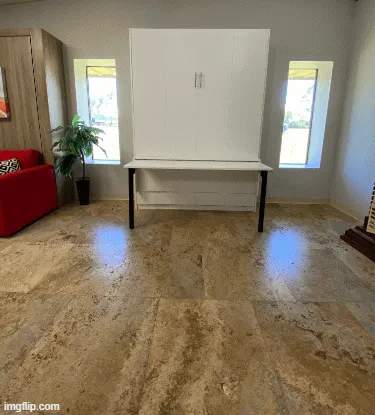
x=197, y=165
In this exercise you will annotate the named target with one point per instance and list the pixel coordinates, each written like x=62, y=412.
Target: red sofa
x=27, y=194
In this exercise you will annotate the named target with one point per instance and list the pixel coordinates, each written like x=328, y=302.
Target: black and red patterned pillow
x=9, y=166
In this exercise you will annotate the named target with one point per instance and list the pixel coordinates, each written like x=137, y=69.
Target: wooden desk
x=198, y=165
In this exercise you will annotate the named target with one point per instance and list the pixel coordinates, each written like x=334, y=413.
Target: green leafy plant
x=77, y=142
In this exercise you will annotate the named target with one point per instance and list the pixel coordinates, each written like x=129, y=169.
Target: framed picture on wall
x=4, y=106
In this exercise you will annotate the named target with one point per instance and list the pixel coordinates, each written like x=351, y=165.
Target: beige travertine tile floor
x=189, y=313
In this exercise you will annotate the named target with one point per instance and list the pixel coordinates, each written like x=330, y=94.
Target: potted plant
x=77, y=142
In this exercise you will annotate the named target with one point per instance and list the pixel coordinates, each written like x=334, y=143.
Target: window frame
x=82, y=97
x=319, y=111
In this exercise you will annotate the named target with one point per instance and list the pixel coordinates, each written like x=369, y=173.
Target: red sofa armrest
x=25, y=196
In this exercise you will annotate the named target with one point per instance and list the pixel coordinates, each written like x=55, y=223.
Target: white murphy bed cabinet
x=198, y=95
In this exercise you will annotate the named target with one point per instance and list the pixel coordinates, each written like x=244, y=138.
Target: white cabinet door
x=230, y=101
x=164, y=64
x=215, y=61
x=181, y=95
x=148, y=65
x=248, y=74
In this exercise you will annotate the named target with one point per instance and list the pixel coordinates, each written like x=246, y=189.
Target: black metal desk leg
x=263, y=175
x=131, y=173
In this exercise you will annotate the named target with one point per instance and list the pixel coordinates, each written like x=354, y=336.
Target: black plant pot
x=83, y=190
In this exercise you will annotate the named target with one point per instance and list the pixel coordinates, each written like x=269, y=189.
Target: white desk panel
x=198, y=165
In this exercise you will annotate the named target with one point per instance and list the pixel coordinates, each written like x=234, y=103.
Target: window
x=305, y=113
x=102, y=100
x=96, y=90
x=298, y=115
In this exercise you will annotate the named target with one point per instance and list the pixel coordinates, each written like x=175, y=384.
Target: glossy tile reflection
x=242, y=274
x=189, y=313
x=318, y=275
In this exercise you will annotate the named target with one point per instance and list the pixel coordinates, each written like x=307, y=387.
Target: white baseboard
x=299, y=200
x=342, y=208
x=195, y=207
x=279, y=200
x=102, y=199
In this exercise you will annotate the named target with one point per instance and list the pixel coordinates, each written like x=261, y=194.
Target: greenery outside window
x=305, y=113
x=96, y=91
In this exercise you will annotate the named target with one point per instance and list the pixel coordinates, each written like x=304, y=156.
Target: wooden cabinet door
x=21, y=130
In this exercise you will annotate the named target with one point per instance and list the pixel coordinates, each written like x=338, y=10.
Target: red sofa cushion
x=27, y=158
x=25, y=196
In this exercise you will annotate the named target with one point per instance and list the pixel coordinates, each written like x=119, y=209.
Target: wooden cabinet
x=33, y=62
x=198, y=94
x=22, y=129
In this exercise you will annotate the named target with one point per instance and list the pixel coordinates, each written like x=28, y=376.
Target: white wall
x=355, y=172
x=300, y=30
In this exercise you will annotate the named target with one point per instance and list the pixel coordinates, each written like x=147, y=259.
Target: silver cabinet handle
x=196, y=80
x=200, y=79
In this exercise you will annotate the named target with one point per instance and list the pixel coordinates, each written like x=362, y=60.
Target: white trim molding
x=342, y=208
x=298, y=200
